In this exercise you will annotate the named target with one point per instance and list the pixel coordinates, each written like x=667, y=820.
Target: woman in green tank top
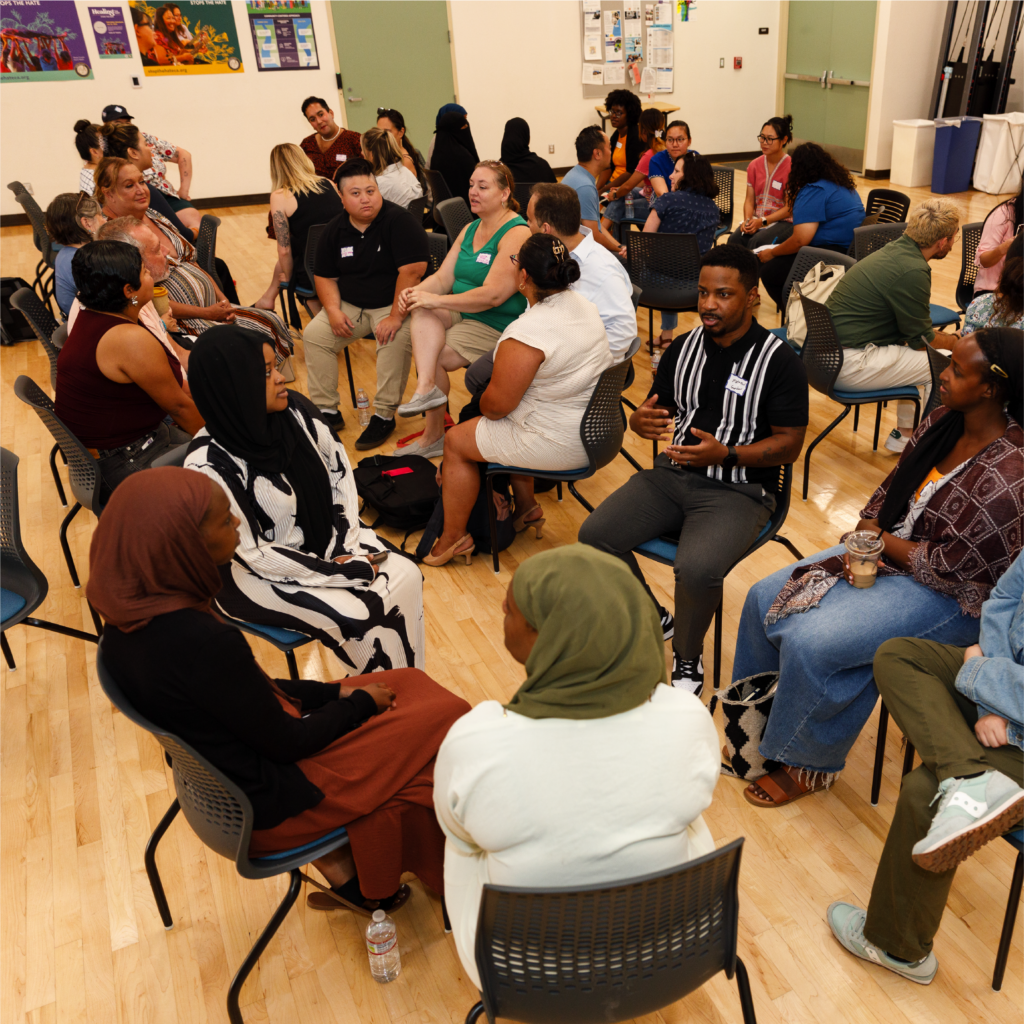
x=459, y=313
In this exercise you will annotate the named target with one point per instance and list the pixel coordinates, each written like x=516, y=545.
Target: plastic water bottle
x=363, y=405
x=382, y=948
x=655, y=358
x=629, y=205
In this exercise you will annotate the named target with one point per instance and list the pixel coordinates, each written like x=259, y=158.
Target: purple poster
x=42, y=41
x=282, y=34
x=110, y=32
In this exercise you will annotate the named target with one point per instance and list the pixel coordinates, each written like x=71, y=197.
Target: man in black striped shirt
x=738, y=395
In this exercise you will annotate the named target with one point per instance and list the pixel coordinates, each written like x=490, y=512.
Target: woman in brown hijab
x=310, y=756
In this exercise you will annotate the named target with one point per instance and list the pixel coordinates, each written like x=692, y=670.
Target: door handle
x=824, y=76
x=354, y=99
x=832, y=80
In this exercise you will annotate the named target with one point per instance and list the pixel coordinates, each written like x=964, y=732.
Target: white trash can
x=913, y=148
x=998, y=166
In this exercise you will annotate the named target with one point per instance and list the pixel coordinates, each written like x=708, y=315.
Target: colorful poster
x=282, y=34
x=42, y=41
x=109, y=32
x=186, y=38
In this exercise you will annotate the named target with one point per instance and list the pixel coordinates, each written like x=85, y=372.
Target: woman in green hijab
x=593, y=772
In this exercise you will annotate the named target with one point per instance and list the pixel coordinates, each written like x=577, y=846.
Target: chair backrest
x=59, y=336
x=665, y=266
x=37, y=218
x=724, y=179
x=309, y=256
x=970, y=236
x=439, y=191
x=522, y=193
x=637, y=292
x=870, y=239
x=42, y=323
x=891, y=206
x=602, y=429
x=807, y=256
x=437, y=243
x=937, y=362
x=418, y=208
x=455, y=215
x=83, y=469
x=822, y=354
x=17, y=571
x=608, y=952
x=206, y=246
x=217, y=809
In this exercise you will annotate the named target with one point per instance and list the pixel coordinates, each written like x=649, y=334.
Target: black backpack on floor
x=478, y=526
x=401, y=489
x=13, y=325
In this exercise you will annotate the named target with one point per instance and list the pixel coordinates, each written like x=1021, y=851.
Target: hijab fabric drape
x=525, y=165
x=227, y=376
x=148, y=556
x=454, y=156
x=599, y=650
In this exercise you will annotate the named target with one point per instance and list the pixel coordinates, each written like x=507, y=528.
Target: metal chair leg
x=1008, y=922
x=475, y=1013
x=908, y=761
x=351, y=385
x=558, y=489
x=718, y=642
x=650, y=330
x=445, y=917
x=67, y=547
x=96, y=620
x=151, y=869
x=8, y=656
x=579, y=497
x=788, y=544
x=629, y=458
x=821, y=437
x=856, y=418
x=878, y=424
x=876, y=777
x=917, y=414
x=56, y=475
x=293, y=668
x=746, y=999
x=234, y=1013
x=492, y=519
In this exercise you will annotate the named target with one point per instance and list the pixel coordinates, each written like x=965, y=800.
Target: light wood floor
x=82, y=788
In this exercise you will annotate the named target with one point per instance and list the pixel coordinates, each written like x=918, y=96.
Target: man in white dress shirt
x=555, y=210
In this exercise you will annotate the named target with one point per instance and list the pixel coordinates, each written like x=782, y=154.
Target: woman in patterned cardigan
x=951, y=517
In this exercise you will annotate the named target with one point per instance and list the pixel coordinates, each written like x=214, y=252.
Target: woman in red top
x=767, y=217
x=116, y=384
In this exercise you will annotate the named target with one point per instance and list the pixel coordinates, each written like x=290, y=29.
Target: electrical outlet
x=721, y=62
x=136, y=82
x=551, y=149
x=28, y=188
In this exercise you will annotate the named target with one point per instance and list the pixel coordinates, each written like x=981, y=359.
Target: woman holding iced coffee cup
x=930, y=545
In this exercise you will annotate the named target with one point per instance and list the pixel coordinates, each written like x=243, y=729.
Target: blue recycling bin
x=956, y=142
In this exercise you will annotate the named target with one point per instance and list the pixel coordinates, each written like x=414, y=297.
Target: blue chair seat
x=1016, y=839
x=943, y=316
x=566, y=474
x=881, y=395
x=659, y=548
x=276, y=634
x=10, y=604
x=783, y=333
x=299, y=850
x=723, y=230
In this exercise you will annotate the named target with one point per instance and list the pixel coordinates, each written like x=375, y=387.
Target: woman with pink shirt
x=767, y=217
x=1001, y=224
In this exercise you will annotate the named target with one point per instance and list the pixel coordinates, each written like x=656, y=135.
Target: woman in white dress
x=593, y=772
x=546, y=366
x=395, y=182
x=303, y=561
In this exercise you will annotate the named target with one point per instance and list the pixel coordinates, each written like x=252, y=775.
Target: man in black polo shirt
x=739, y=398
x=366, y=257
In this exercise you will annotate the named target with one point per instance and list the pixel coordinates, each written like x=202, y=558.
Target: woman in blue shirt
x=72, y=219
x=826, y=209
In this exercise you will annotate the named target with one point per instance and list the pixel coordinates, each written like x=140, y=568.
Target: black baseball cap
x=115, y=112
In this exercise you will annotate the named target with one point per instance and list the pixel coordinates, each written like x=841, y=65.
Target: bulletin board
x=626, y=44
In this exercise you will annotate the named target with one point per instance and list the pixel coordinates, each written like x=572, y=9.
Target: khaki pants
x=887, y=366
x=393, y=359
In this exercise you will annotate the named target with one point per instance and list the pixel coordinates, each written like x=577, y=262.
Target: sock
x=905, y=417
x=900, y=959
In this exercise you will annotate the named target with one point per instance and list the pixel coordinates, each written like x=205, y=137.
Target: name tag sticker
x=341, y=157
x=737, y=385
x=484, y=257
x=777, y=185
x=347, y=250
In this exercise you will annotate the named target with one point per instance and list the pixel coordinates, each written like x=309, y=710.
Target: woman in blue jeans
x=951, y=517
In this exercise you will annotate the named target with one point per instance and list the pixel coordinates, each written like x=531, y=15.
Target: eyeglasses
x=514, y=258
x=767, y=138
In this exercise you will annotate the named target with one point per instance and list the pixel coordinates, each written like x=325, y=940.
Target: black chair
x=663, y=550
x=24, y=586
x=823, y=360
x=522, y=193
x=439, y=192
x=418, y=208
x=285, y=640
x=455, y=215
x=598, y=954
x=42, y=283
x=937, y=362
x=601, y=431
x=666, y=269
x=872, y=237
x=724, y=179
x=807, y=256
x=59, y=336
x=437, y=243
x=221, y=815
x=970, y=236
x=83, y=469
x=628, y=383
x=891, y=206
x=206, y=246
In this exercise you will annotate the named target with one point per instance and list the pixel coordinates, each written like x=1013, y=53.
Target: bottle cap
x=379, y=915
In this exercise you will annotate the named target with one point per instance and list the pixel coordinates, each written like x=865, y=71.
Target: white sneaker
x=896, y=441
x=847, y=924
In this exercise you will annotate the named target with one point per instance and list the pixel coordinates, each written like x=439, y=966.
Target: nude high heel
x=446, y=556
x=520, y=523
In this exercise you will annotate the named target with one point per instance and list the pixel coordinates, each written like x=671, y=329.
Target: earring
x=135, y=300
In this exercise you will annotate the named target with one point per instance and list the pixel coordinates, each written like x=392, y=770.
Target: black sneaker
x=688, y=675
x=377, y=431
x=668, y=624
x=333, y=419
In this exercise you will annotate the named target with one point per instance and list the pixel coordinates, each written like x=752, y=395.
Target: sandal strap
x=781, y=786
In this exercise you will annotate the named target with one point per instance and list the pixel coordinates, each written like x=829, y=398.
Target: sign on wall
x=282, y=35
x=42, y=41
x=186, y=38
x=109, y=32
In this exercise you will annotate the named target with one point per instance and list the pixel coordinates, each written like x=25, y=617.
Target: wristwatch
x=764, y=222
x=731, y=459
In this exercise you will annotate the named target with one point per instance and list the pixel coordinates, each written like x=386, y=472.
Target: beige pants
x=322, y=346
x=887, y=366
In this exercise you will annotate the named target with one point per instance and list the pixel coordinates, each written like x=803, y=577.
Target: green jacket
x=884, y=299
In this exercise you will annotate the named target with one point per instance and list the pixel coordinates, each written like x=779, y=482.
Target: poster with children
x=42, y=41
x=186, y=38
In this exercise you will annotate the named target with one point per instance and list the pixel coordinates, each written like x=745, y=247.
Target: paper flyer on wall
x=663, y=16
x=42, y=42
x=648, y=79
x=187, y=38
x=614, y=74
x=634, y=50
x=649, y=15
x=663, y=80
x=660, y=51
x=109, y=32
x=282, y=35
x=593, y=45
x=631, y=19
x=612, y=37
x=593, y=74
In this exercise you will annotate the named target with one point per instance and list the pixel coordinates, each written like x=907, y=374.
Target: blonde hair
x=381, y=149
x=505, y=180
x=934, y=219
x=291, y=169
x=108, y=170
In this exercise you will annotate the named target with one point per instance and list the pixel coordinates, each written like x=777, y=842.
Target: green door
x=394, y=55
x=828, y=71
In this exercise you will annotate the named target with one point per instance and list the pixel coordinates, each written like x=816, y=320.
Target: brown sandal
x=779, y=787
x=348, y=897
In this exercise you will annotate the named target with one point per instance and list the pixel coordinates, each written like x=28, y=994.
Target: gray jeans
x=715, y=523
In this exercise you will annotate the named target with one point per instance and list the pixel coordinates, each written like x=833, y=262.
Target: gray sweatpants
x=715, y=523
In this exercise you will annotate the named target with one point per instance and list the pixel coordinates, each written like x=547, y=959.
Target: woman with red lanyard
x=767, y=218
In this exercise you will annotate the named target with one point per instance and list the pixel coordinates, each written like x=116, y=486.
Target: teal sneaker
x=971, y=812
x=847, y=924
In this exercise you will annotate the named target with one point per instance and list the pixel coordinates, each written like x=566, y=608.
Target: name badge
x=777, y=185
x=484, y=257
x=347, y=250
x=737, y=385
x=341, y=157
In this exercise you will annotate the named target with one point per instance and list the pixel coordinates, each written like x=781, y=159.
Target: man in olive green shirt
x=881, y=311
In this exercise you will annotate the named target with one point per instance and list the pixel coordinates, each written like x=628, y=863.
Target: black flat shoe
x=349, y=897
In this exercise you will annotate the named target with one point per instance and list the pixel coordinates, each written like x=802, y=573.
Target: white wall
x=229, y=123
x=523, y=58
x=908, y=38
